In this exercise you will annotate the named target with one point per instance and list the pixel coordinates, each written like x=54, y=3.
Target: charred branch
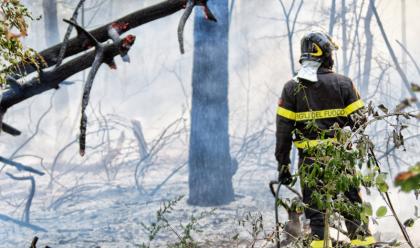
x=135, y=19
x=10, y=130
x=97, y=62
x=187, y=13
x=51, y=79
x=68, y=33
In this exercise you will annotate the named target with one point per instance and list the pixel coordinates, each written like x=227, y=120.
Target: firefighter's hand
x=285, y=177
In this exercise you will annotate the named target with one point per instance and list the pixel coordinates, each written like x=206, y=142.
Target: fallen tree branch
x=133, y=20
x=97, y=62
x=51, y=79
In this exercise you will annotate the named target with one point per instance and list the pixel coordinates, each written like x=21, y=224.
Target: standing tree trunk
x=368, y=51
x=346, y=65
x=332, y=18
x=52, y=35
x=210, y=166
x=404, y=41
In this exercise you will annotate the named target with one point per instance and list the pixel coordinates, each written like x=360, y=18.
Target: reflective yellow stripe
x=320, y=244
x=367, y=241
x=286, y=113
x=354, y=106
x=320, y=114
x=305, y=144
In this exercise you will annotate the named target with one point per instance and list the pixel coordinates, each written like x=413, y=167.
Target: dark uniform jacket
x=330, y=100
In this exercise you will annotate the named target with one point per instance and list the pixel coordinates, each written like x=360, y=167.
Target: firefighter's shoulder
x=342, y=79
x=335, y=79
x=289, y=87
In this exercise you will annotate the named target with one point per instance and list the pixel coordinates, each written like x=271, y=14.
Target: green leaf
x=381, y=183
x=409, y=222
x=381, y=212
x=367, y=209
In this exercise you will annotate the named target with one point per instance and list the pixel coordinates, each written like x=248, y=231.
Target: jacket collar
x=323, y=70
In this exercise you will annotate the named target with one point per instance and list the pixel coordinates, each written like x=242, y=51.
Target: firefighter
x=327, y=98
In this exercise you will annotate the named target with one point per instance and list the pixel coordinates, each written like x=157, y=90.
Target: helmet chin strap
x=308, y=71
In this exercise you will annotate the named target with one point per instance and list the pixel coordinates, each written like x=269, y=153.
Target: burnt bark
x=51, y=79
x=135, y=19
x=210, y=165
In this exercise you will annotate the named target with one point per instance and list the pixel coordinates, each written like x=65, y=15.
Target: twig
x=409, y=55
x=26, y=212
x=99, y=55
x=68, y=33
x=34, y=241
x=390, y=205
x=188, y=10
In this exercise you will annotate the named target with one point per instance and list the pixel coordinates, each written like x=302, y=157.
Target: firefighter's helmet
x=317, y=46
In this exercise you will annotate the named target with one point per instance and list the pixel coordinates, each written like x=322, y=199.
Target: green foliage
x=13, y=25
x=409, y=222
x=160, y=222
x=381, y=211
x=255, y=222
x=182, y=231
x=381, y=183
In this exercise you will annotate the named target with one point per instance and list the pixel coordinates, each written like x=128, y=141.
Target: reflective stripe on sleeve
x=286, y=113
x=354, y=106
x=320, y=114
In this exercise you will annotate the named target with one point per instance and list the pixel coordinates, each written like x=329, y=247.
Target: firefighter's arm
x=285, y=124
x=355, y=108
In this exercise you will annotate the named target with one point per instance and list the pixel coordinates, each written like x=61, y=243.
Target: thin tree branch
x=392, y=53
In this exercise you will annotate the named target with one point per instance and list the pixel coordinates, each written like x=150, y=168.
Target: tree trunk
x=404, y=41
x=332, y=18
x=346, y=65
x=368, y=51
x=210, y=166
x=52, y=34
